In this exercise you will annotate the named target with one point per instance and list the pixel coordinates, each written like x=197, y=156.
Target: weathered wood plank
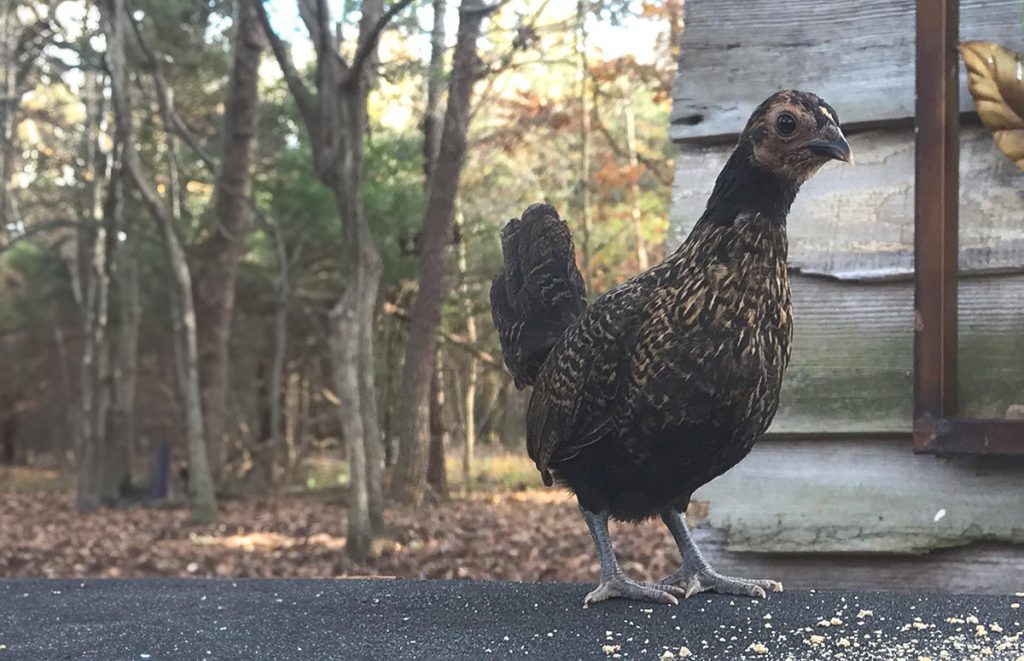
x=983, y=568
x=864, y=497
x=859, y=56
x=858, y=220
x=852, y=354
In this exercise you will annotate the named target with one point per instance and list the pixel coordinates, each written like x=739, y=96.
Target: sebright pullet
x=666, y=381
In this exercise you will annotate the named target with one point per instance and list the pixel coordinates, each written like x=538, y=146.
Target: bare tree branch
x=37, y=228
x=303, y=97
x=655, y=168
x=457, y=341
x=368, y=41
x=164, y=98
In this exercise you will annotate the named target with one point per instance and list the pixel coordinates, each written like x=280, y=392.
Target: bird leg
x=613, y=582
x=696, y=575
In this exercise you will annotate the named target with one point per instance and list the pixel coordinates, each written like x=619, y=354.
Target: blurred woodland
x=245, y=247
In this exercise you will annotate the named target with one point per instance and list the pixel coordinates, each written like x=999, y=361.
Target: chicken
x=666, y=381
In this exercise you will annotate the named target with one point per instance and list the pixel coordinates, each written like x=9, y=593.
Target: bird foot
x=620, y=587
x=705, y=580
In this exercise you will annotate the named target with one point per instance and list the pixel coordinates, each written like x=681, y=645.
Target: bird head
x=792, y=134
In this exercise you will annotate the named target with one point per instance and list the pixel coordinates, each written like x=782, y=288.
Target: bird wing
x=572, y=405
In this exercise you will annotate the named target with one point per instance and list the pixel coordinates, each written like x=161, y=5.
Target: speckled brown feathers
x=539, y=293
x=667, y=380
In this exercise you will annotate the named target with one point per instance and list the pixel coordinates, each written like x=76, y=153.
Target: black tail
x=539, y=293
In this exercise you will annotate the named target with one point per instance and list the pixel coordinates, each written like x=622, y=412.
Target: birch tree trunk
x=643, y=262
x=469, y=404
x=411, y=469
x=433, y=117
x=335, y=118
x=202, y=497
x=94, y=370
x=583, y=80
x=123, y=419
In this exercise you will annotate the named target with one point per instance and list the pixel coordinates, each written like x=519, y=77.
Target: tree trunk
x=411, y=469
x=336, y=119
x=120, y=440
x=437, y=472
x=200, y=483
x=352, y=332
x=279, y=449
x=94, y=371
x=583, y=79
x=433, y=118
x=8, y=435
x=643, y=263
x=469, y=404
x=215, y=288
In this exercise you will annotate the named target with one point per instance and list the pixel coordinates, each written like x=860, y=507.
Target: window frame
x=937, y=428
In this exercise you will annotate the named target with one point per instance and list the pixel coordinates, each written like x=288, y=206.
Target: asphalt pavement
x=411, y=619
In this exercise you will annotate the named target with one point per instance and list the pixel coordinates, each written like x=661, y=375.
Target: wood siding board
x=852, y=354
x=980, y=568
x=864, y=497
x=858, y=56
x=857, y=221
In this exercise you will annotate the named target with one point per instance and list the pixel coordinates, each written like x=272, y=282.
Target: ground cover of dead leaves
x=525, y=535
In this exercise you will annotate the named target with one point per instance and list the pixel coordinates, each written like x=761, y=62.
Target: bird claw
x=620, y=587
x=703, y=581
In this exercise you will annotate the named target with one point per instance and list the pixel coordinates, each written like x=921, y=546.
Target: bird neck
x=743, y=186
x=745, y=218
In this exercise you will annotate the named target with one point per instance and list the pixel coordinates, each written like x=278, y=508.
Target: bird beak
x=832, y=145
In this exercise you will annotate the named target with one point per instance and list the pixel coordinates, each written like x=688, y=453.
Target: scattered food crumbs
x=980, y=630
x=995, y=627
x=919, y=625
x=844, y=642
x=610, y=649
x=684, y=652
x=835, y=621
x=864, y=613
x=668, y=655
x=817, y=640
x=970, y=619
x=767, y=616
x=824, y=623
x=1015, y=605
x=758, y=648
x=924, y=658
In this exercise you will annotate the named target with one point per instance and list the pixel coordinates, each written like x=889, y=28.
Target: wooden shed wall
x=851, y=229
x=857, y=55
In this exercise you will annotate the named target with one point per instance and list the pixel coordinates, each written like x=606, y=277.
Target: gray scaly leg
x=696, y=575
x=613, y=582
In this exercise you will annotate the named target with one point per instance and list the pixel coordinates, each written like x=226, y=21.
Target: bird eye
x=785, y=124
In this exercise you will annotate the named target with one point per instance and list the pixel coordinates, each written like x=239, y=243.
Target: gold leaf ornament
x=995, y=78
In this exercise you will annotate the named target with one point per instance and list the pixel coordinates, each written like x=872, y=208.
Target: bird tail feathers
x=539, y=293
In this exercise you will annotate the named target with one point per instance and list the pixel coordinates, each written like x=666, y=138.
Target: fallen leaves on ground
x=527, y=535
